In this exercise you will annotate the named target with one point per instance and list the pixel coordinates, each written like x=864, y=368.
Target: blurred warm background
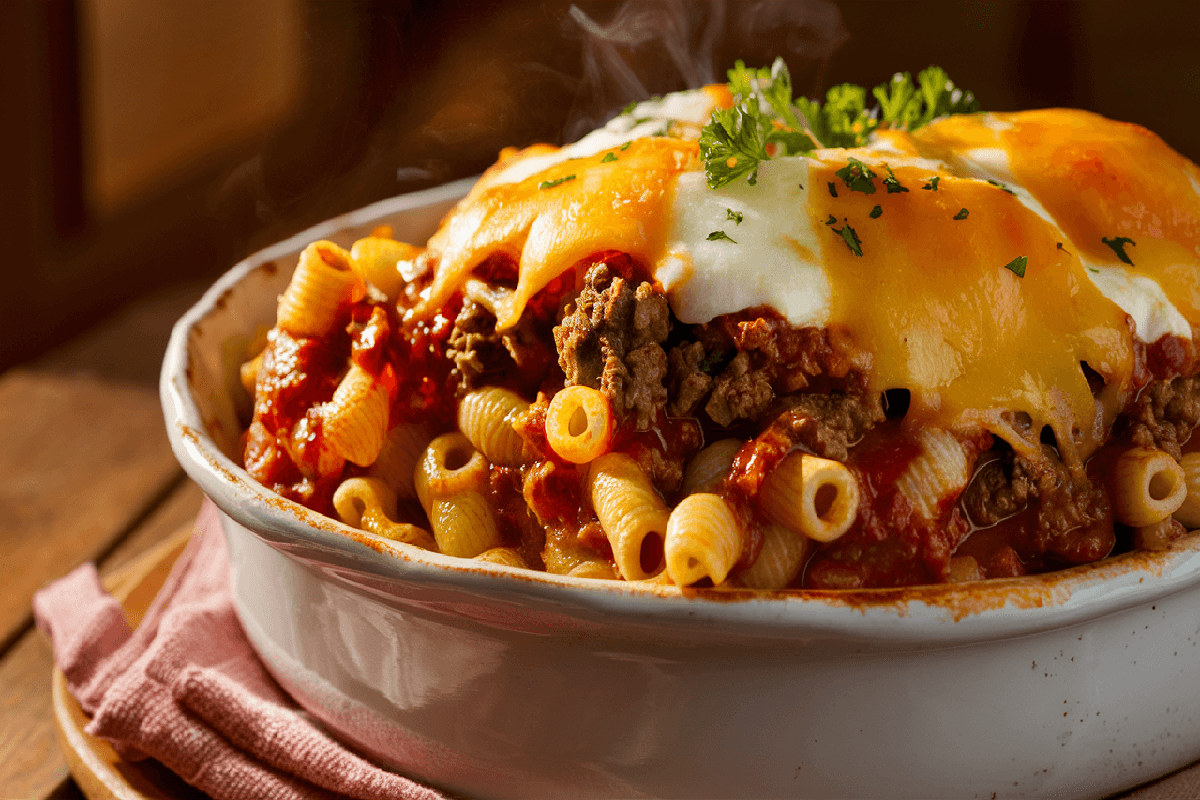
x=147, y=143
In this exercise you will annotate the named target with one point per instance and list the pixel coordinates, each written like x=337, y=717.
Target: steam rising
x=653, y=47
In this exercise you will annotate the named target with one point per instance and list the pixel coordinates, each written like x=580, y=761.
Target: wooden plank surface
x=81, y=460
x=86, y=473
x=31, y=765
x=83, y=449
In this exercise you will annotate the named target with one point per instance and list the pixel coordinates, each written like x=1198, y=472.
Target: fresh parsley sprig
x=735, y=140
x=738, y=139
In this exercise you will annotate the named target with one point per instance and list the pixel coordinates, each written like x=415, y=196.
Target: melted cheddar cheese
x=932, y=298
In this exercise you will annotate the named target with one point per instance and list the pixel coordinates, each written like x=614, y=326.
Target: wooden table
x=86, y=474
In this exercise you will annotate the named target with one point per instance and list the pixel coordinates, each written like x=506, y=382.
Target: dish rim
x=937, y=614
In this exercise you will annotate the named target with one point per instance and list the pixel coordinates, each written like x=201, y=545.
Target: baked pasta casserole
x=738, y=339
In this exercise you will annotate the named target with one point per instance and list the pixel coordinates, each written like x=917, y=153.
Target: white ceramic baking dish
x=496, y=682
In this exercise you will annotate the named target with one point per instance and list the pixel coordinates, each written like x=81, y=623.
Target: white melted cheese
x=777, y=259
x=1142, y=299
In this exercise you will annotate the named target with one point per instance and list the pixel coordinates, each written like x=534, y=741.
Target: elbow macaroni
x=813, y=496
x=1148, y=486
x=633, y=516
x=579, y=424
x=450, y=479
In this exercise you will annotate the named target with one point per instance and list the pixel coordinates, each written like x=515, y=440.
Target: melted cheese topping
x=930, y=298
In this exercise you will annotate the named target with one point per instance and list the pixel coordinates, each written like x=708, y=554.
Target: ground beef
x=838, y=421
x=484, y=356
x=1066, y=513
x=739, y=392
x=688, y=382
x=742, y=362
x=826, y=425
x=612, y=341
x=998, y=490
x=1164, y=415
x=474, y=346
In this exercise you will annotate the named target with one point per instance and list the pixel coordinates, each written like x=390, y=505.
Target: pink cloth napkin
x=187, y=689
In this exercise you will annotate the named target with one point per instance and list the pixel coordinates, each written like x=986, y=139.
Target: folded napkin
x=187, y=689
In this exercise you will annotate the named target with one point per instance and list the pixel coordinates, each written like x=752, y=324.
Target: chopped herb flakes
x=736, y=216
x=932, y=184
x=609, y=156
x=876, y=212
x=717, y=235
x=850, y=237
x=1017, y=266
x=709, y=364
x=892, y=183
x=1093, y=269
x=626, y=145
x=553, y=183
x=832, y=220
x=1117, y=243
x=1001, y=186
x=629, y=108
x=962, y=214
x=857, y=176
x=833, y=188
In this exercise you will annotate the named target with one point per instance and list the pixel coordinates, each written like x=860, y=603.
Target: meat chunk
x=482, y=355
x=826, y=425
x=612, y=341
x=1164, y=414
x=742, y=362
x=474, y=346
x=1070, y=516
x=740, y=392
x=838, y=421
x=688, y=379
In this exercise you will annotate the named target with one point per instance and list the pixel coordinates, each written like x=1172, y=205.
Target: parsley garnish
x=845, y=121
x=1000, y=185
x=892, y=183
x=733, y=145
x=717, y=235
x=609, y=156
x=857, y=176
x=1117, y=243
x=932, y=184
x=962, y=214
x=850, y=237
x=736, y=216
x=626, y=145
x=556, y=182
x=1017, y=266
x=708, y=365
x=833, y=188
x=876, y=212
x=1093, y=269
x=832, y=220
x=734, y=142
x=629, y=108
